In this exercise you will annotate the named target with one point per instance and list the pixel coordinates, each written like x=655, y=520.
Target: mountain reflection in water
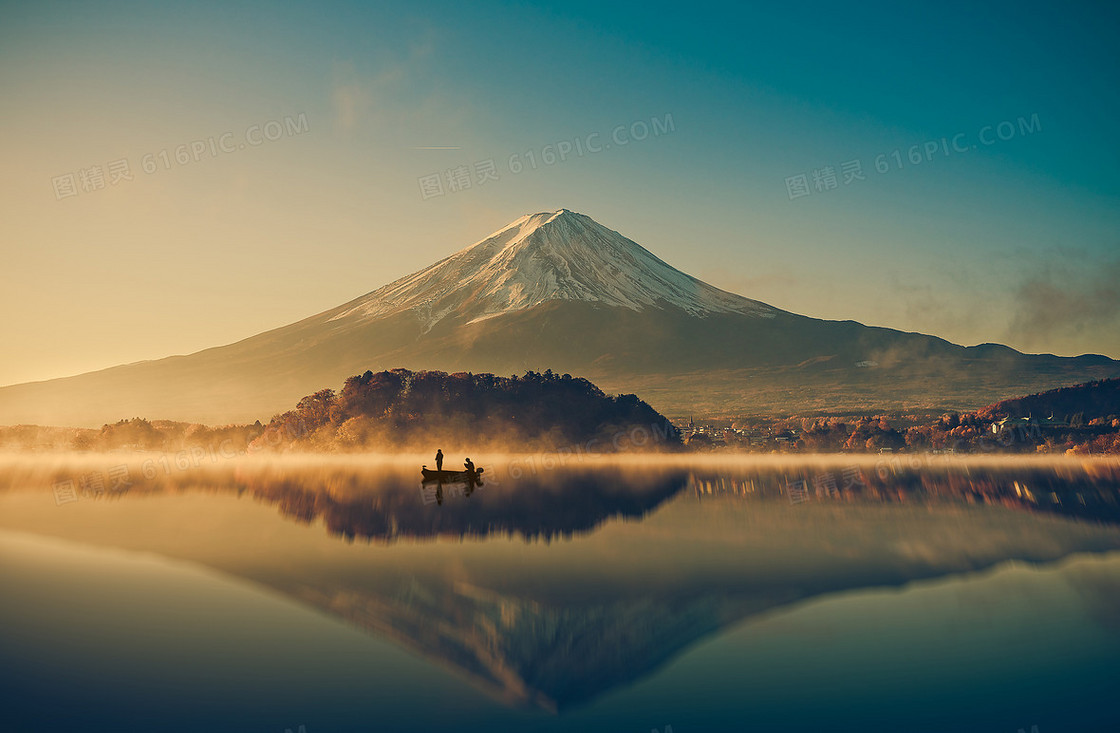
x=651, y=558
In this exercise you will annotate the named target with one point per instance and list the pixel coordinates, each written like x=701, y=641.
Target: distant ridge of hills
x=1097, y=399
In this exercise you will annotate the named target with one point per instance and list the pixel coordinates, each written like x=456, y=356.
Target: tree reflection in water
x=386, y=505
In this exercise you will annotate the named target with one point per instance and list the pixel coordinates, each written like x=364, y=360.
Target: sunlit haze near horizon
x=280, y=159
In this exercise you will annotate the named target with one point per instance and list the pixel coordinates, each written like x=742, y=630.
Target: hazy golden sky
x=1009, y=238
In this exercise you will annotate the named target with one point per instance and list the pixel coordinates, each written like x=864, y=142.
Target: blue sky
x=1006, y=231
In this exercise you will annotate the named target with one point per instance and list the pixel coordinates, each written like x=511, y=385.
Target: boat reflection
x=386, y=505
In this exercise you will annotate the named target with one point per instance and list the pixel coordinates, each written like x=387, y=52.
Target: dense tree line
x=827, y=435
x=133, y=434
x=1076, y=404
x=400, y=408
x=1083, y=419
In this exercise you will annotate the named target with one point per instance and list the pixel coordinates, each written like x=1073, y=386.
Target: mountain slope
x=559, y=291
x=540, y=258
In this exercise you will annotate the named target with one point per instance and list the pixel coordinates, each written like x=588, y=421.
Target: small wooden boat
x=450, y=476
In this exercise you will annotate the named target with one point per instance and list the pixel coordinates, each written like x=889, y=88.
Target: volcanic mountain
x=560, y=291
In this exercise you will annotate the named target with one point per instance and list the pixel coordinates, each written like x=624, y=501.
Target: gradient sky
x=1014, y=241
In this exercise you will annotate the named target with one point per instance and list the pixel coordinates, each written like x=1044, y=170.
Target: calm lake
x=689, y=594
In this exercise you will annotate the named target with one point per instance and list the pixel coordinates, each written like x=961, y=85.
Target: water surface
x=340, y=595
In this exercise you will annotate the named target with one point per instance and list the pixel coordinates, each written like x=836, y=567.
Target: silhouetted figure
x=471, y=476
x=439, y=459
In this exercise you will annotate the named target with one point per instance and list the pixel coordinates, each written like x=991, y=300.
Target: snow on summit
x=558, y=255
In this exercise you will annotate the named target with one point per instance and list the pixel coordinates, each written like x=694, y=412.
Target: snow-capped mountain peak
x=559, y=255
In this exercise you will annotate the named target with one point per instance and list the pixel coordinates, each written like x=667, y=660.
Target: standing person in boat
x=439, y=459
